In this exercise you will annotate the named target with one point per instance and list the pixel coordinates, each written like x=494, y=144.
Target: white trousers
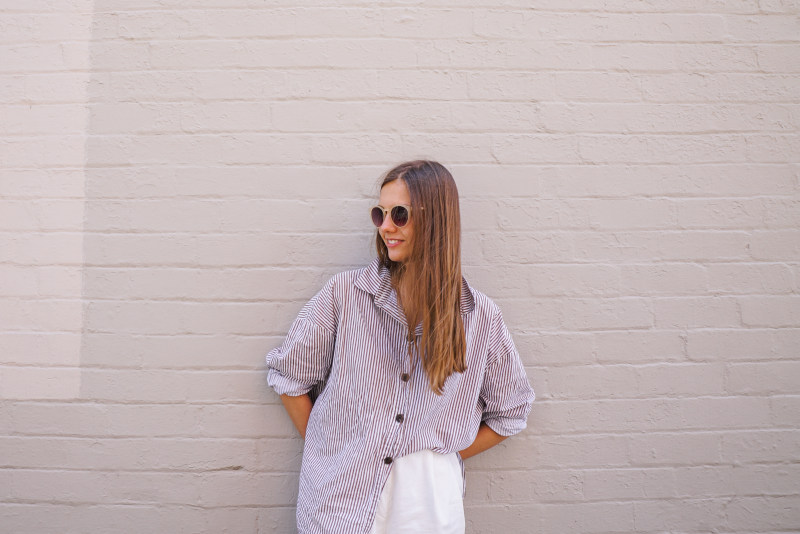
x=423, y=495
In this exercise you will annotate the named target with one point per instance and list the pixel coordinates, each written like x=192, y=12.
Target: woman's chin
x=397, y=256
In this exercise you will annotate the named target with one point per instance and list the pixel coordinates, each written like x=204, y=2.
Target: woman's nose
x=388, y=224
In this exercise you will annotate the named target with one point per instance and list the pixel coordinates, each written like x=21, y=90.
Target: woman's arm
x=486, y=439
x=299, y=410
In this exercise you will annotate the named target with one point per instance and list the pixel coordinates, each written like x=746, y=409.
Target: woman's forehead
x=393, y=193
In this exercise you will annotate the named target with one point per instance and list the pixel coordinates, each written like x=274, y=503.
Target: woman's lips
x=393, y=242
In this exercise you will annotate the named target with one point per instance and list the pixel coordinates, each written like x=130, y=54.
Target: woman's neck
x=406, y=297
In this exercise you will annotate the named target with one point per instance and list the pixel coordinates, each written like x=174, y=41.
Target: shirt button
x=387, y=460
x=399, y=418
x=404, y=377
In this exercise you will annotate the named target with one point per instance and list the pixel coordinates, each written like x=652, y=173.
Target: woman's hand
x=299, y=410
x=486, y=439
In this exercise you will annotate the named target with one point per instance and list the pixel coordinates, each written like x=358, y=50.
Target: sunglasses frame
x=389, y=212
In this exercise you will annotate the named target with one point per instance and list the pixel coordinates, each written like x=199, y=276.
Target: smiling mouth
x=393, y=241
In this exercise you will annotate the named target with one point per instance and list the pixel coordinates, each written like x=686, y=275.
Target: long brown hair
x=429, y=281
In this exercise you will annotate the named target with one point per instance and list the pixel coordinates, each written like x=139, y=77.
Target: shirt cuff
x=506, y=426
x=284, y=385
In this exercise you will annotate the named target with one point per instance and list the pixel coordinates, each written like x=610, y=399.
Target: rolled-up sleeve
x=304, y=358
x=506, y=393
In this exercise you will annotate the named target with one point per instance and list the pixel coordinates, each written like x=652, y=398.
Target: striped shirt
x=349, y=349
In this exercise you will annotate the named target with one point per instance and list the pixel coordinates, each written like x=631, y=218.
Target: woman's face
x=397, y=240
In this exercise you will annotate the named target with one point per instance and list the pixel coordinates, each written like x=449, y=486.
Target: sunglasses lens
x=377, y=216
x=399, y=216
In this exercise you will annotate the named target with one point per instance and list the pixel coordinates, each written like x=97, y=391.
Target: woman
x=388, y=411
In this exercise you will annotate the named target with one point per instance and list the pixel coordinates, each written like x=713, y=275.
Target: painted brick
x=559, y=451
x=549, y=280
x=41, y=315
x=630, y=484
x=192, y=250
x=106, y=488
x=640, y=213
x=704, y=245
x=776, y=245
x=759, y=278
x=779, y=512
x=623, y=27
x=117, y=518
x=523, y=487
x=696, y=312
x=713, y=57
x=772, y=147
x=784, y=410
x=176, y=351
x=666, y=278
x=25, y=57
x=165, y=317
x=47, y=281
x=777, y=6
x=678, y=448
x=735, y=480
x=511, y=85
x=650, y=346
x=657, y=414
x=45, y=151
x=671, y=180
x=47, y=215
x=341, y=53
x=535, y=148
x=42, y=183
x=39, y=383
x=693, y=514
x=686, y=380
x=549, y=349
x=128, y=454
x=761, y=28
x=778, y=57
x=239, y=488
x=667, y=118
x=725, y=86
x=49, y=88
x=489, y=518
x=38, y=348
x=427, y=23
x=170, y=386
x=681, y=148
x=42, y=27
x=750, y=344
x=357, y=148
x=26, y=120
x=275, y=182
x=770, y=311
x=589, y=382
x=590, y=517
x=602, y=314
x=757, y=446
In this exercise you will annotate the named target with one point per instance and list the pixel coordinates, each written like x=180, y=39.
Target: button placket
x=405, y=377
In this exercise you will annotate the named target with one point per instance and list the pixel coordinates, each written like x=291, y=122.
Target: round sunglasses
x=400, y=215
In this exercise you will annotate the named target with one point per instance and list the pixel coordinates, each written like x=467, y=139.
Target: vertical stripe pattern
x=349, y=349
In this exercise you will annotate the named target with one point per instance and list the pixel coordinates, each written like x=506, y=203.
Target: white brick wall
x=178, y=177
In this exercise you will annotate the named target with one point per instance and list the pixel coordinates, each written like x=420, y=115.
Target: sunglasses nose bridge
x=387, y=222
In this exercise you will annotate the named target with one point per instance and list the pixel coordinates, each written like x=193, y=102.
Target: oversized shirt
x=349, y=349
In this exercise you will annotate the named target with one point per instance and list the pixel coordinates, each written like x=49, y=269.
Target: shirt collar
x=376, y=280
